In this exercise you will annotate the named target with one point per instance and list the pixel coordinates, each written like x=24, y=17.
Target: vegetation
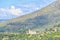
x=42, y=36
x=51, y=33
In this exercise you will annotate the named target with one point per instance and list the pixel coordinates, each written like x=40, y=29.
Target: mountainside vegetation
x=40, y=18
x=52, y=33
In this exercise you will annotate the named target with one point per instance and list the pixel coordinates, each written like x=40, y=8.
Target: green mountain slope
x=35, y=20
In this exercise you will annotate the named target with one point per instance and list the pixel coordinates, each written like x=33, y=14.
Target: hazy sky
x=14, y=8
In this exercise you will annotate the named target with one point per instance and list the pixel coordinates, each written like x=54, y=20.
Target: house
x=31, y=32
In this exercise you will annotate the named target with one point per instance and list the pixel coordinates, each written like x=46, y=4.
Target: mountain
x=1, y=20
x=42, y=18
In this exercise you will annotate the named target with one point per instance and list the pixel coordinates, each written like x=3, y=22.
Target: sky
x=14, y=8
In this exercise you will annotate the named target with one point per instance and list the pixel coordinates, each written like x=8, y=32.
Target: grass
x=42, y=36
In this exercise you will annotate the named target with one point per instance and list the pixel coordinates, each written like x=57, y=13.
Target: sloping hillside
x=38, y=19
